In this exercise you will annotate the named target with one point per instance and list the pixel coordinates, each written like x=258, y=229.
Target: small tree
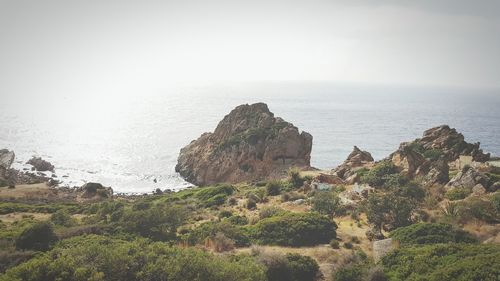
x=38, y=237
x=326, y=203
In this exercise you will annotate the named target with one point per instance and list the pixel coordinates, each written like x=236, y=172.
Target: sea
x=131, y=142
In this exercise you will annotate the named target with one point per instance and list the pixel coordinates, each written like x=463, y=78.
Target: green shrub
x=214, y=195
x=457, y=193
x=99, y=258
x=273, y=188
x=302, y=268
x=270, y=211
x=431, y=233
x=62, y=218
x=238, y=220
x=251, y=204
x=294, y=178
x=334, y=244
x=439, y=262
x=348, y=245
x=38, y=237
x=479, y=208
x=209, y=230
x=224, y=214
x=433, y=154
x=295, y=229
x=379, y=174
x=158, y=223
x=327, y=203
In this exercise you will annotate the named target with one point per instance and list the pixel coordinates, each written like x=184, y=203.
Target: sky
x=105, y=46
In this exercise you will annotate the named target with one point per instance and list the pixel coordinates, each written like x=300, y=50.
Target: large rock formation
x=6, y=158
x=249, y=144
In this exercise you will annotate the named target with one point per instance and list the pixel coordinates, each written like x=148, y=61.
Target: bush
x=291, y=196
x=158, y=223
x=62, y=218
x=334, y=244
x=326, y=203
x=209, y=230
x=378, y=175
x=290, y=267
x=270, y=211
x=238, y=220
x=225, y=214
x=389, y=210
x=348, y=245
x=273, y=188
x=479, y=208
x=295, y=229
x=457, y=193
x=221, y=243
x=439, y=262
x=214, y=195
x=431, y=233
x=302, y=268
x=38, y=237
x=251, y=204
x=99, y=258
x=294, y=178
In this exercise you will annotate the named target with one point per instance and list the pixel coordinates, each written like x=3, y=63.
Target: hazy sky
x=110, y=46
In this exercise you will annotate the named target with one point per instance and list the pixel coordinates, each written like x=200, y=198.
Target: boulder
x=330, y=179
x=356, y=160
x=478, y=189
x=40, y=165
x=249, y=144
x=494, y=187
x=468, y=178
x=92, y=190
x=409, y=161
x=6, y=158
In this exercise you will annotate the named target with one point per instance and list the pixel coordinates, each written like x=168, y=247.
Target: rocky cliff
x=249, y=144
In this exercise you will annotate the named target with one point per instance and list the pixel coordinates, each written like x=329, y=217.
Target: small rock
x=495, y=187
x=478, y=189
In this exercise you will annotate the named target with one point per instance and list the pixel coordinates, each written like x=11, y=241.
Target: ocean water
x=128, y=141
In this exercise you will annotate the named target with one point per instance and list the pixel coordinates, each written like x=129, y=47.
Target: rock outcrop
x=6, y=158
x=428, y=157
x=451, y=144
x=468, y=178
x=249, y=144
x=40, y=165
x=356, y=160
x=92, y=190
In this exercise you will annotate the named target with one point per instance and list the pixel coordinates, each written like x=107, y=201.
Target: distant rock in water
x=41, y=165
x=249, y=144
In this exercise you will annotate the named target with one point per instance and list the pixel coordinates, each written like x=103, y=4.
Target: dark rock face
x=92, y=190
x=41, y=165
x=356, y=160
x=249, y=144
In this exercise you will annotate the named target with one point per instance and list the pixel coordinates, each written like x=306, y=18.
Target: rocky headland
x=249, y=144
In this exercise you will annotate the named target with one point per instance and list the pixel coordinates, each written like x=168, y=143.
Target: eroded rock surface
x=356, y=160
x=249, y=144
